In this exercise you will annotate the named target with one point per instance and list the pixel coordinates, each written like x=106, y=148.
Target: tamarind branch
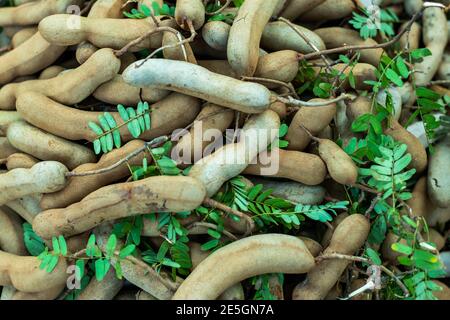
x=415, y=17
x=278, y=82
x=368, y=261
x=299, y=103
x=153, y=143
x=216, y=204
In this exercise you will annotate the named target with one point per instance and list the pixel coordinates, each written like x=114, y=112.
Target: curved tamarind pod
x=154, y=194
x=49, y=294
x=102, y=32
x=6, y=149
x=43, y=177
x=329, y=10
x=20, y=160
x=33, y=12
x=419, y=203
x=231, y=159
x=106, y=289
x=199, y=82
x=313, y=246
x=117, y=91
x=278, y=36
x=46, y=146
x=313, y=119
x=335, y=37
x=31, y=56
x=215, y=34
x=173, y=112
x=192, y=10
x=437, y=178
x=22, y=36
x=27, y=206
x=218, y=66
x=212, y=117
x=245, y=35
x=24, y=274
x=11, y=235
x=177, y=52
x=295, y=8
x=203, y=51
x=245, y=258
x=6, y=118
x=411, y=38
x=72, y=86
x=311, y=171
x=348, y=237
x=329, y=232
x=78, y=187
x=435, y=37
x=51, y=72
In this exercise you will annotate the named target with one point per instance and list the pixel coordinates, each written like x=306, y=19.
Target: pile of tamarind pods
x=63, y=69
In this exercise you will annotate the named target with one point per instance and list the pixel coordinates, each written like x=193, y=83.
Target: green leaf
x=95, y=127
x=214, y=234
x=111, y=245
x=52, y=263
x=394, y=77
x=209, y=245
x=402, y=68
x=123, y=112
x=101, y=268
x=55, y=244
x=373, y=256
x=126, y=251
x=420, y=53
x=402, y=248
x=97, y=146
x=62, y=245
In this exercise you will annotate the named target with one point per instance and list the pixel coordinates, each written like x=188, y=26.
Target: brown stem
x=300, y=103
x=216, y=204
x=155, y=142
x=364, y=260
x=278, y=82
x=212, y=226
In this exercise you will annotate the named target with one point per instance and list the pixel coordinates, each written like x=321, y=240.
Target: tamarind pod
x=329, y=10
x=7, y=117
x=19, y=2
x=43, y=177
x=232, y=159
x=435, y=36
x=362, y=72
x=71, y=87
x=173, y=112
x=6, y=149
x=218, y=66
x=7, y=293
x=78, y=187
x=24, y=274
x=438, y=216
x=125, y=60
x=199, y=82
x=49, y=294
x=22, y=36
x=211, y=117
x=51, y=72
x=84, y=50
x=192, y=10
x=117, y=91
x=339, y=164
x=348, y=237
x=106, y=289
x=102, y=32
x=144, y=295
x=295, y=8
x=329, y=232
x=387, y=252
x=435, y=237
x=444, y=294
x=311, y=171
x=31, y=56
x=27, y=206
x=245, y=35
x=177, y=52
x=281, y=65
x=419, y=202
x=411, y=39
x=313, y=119
x=235, y=292
x=46, y=146
x=136, y=273
x=215, y=34
x=154, y=194
x=11, y=235
x=437, y=178
x=279, y=108
x=20, y=160
x=335, y=37
x=11, y=30
x=202, y=50
x=313, y=246
x=260, y=254
x=33, y=12
x=149, y=3
x=278, y=36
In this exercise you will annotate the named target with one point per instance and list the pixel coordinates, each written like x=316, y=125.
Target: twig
x=216, y=204
x=309, y=43
x=220, y=9
x=415, y=17
x=278, y=82
x=365, y=188
x=439, y=82
x=364, y=260
x=212, y=226
x=300, y=103
x=87, y=7
x=155, y=142
x=372, y=205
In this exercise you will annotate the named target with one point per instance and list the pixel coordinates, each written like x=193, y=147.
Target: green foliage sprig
x=145, y=12
x=367, y=25
x=137, y=121
x=261, y=283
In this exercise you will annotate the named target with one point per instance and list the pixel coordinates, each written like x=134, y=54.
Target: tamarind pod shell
x=296, y=8
x=329, y=10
